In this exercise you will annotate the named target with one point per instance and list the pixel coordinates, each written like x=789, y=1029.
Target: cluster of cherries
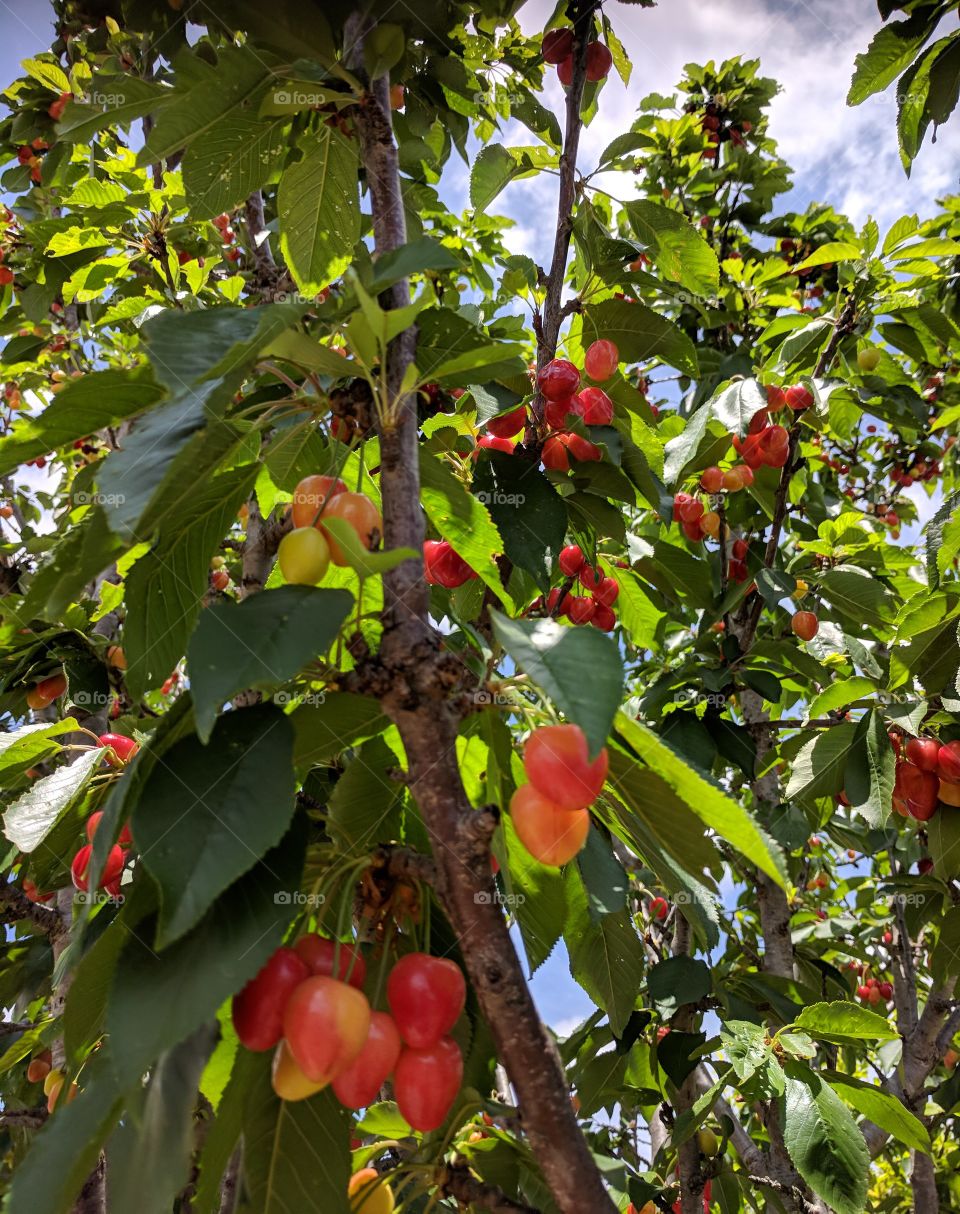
x=442, y=566
x=594, y=608
x=40, y=1069
x=872, y=990
x=557, y=49
x=228, y=236
x=926, y=774
x=119, y=751
x=42, y=694
x=306, y=552
x=324, y=1032
x=551, y=813
x=29, y=154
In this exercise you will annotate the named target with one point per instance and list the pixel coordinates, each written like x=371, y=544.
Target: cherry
x=924, y=866
x=739, y=549
x=116, y=658
x=863, y=992
x=607, y=592
x=597, y=407
x=426, y=1083
x=711, y=480
x=599, y=61
x=601, y=359
x=710, y=523
x=798, y=397
x=490, y=442
x=919, y=790
x=557, y=446
x=39, y=1068
x=125, y=840
x=46, y=691
x=658, y=908
x=311, y=496
x=923, y=752
x=733, y=479
x=304, y=556
x=557, y=412
x=570, y=560
x=887, y=937
x=325, y=1024
x=220, y=579
x=565, y=71
x=258, y=1008
x=369, y=1193
x=112, y=868
x=363, y=516
x=553, y=836
x=123, y=748
x=289, y=1082
x=886, y=990
x=868, y=359
x=950, y=794
x=318, y=953
x=426, y=996
x=357, y=1086
x=508, y=425
x=557, y=762
x=948, y=762
x=558, y=380
x=691, y=511
x=579, y=609
x=444, y=567
x=805, y=625
x=604, y=618
x=590, y=578
x=557, y=45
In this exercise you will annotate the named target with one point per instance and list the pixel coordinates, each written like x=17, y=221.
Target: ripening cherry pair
x=305, y=553
x=551, y=813
x=928, y=774
x=324, y=1032
x=116, y=857
x=557, y=48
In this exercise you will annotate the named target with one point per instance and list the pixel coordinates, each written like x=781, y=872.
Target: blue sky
x=847, y=157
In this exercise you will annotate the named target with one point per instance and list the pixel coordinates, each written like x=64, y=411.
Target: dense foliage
x=377, y=602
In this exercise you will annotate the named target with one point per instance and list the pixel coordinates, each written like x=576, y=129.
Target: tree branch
x=19, y=905
x=458, y=1182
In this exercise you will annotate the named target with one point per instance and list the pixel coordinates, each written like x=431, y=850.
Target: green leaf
x=676, y=981
x=679, y=251
x=736, y=405
x=882, y=1108
x=159, y=999
x=839, y=694
x=207, y=814
x=117, y=102
x=227, y=1127
x=639, y=334
x=844, y=1021
x=296, y=1155
x=539, y=900
x=526, y=509
x=259, y=643
x=939, y=552
x=827, y=254
x=463, y=520
x=556, y=657
x=819, y=766
x=707, y=800
x=824, y=1141
x=97, y=400
x=165, y=588
x=149, y=1155
x=493, y=169
x=453, y=351
x=319, y=210
x=892, y=50
x=606, y=955
x=65, y=1151
x=23, y=747
x=30, y=818
x=869, y=772
x=338, y=721
x=237, y=156
x=364, y=808
x=415, y=257
x=361, y=559
x=49, y=74
x=603, y=876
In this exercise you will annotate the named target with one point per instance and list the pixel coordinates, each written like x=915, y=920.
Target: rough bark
x=923, y=1184
x=417, y=677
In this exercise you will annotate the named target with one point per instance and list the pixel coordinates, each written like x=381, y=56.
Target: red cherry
x=923, y=752
x=551, y=835
x=582, y=449
x=739, y=549
x=924, y=866
x=601, y=359
x=805, y=625
x=798, y=397
x=604, y=618
x=875, y=996
x=557, y=412
x=126, y=838
x=565, y=71
x=886, y=990
x=325, y=1024
x=599, y=61
x=607, y=592
x=442, y=566
x=112, y=867
x=258, y=1008
x=590, y=578
x=691, y=510
x=658, y=908
x=426, y=995
x=570, y=560
x=357, y=1086
x=318, y=952
x=580, y=609
x=426, y=1082
x=123, y=748
x=557, y=762
x=597, y=407
x=557, y=45
x=863, y=992
x=712, y=479
x=558, y=379
x=948, y=762
x=508, y=425
x=554, y=454
x=492, y=443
